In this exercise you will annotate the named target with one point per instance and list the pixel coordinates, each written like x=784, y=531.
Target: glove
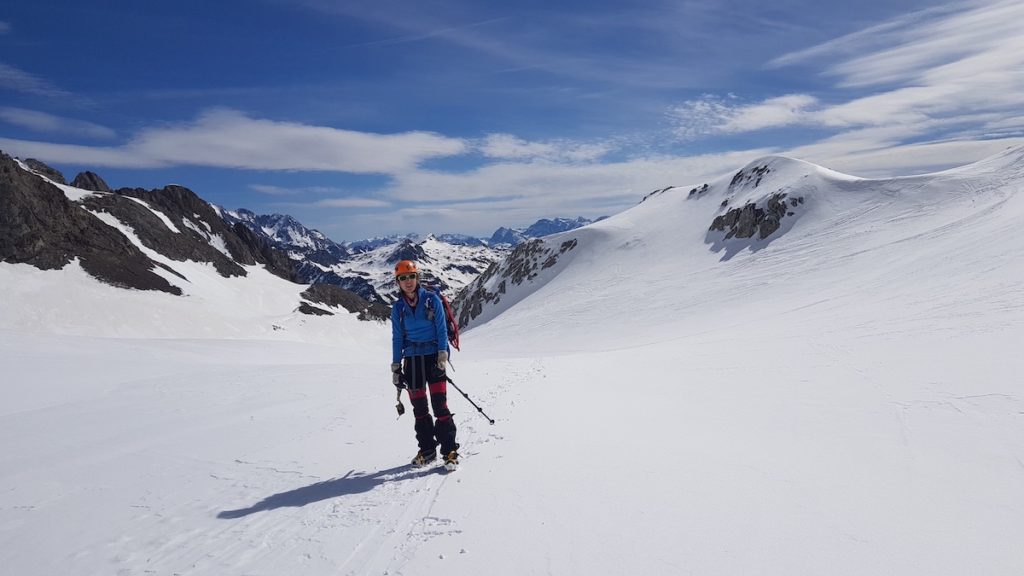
x=396, y=376
x=442, y=359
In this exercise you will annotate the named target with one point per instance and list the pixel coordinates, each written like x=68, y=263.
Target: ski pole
x=478, y=409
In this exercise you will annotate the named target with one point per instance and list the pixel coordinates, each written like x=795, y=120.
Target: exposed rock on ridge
x=331, y=295
x=90, y=181
x=523, y=265
x=41, y=227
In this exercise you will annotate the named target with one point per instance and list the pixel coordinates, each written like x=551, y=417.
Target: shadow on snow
x=351, y=483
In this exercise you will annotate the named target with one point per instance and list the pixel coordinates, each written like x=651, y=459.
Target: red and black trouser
x=424, y=379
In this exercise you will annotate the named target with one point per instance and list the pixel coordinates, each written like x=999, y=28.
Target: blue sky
x=372, y=118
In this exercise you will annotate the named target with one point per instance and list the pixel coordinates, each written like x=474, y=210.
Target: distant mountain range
x=131, y=237
x=365, y=266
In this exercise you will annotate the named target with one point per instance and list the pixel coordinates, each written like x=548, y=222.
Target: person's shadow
x=351, y=483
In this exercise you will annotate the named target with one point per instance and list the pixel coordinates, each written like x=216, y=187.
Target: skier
x=419, y=343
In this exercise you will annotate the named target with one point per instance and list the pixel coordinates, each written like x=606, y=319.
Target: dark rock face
x=749, y=219
x=41, y=227
x=409, y=250
x=522, y=265
x=41, y=168
x=197, y=223
x=185, y=244
x=310, y=274
x=657, y=192
x=261, y=251
x=751, y=176
x=700, y=190
x=331, y=295
x=90, y=181
x=307, y=308
x=284, y=233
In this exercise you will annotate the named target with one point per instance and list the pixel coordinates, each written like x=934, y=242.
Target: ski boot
x=451, y=461
x=424, y=458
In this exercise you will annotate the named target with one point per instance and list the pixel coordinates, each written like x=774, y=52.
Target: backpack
x=453, y=325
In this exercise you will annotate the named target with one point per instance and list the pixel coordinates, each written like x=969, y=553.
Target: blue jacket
x=413, y=332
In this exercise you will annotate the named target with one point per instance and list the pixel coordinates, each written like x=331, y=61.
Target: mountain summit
x=716, y=232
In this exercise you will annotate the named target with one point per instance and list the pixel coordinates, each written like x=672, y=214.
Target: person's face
x=407, y=282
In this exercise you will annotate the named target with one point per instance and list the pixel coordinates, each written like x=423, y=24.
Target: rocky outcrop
x=312, y=274
x=749, y=177
x=197, y=228
x=745, y=221
x=179, y=244
x=41, y=227
x=408, y=250
x=41, y=168
x=523, y=265
x=275, y=261
x=334, y=296
x=90, y=181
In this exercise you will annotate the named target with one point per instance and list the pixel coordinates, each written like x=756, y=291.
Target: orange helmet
x=405, y=267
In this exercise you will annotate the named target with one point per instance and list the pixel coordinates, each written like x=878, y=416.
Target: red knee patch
x=416, y=394
x=439, y=387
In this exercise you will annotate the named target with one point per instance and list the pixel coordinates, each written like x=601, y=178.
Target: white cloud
x=939, y=68
x=781, y=111
x=48, y=123
x=98, y=156
x=229, y=139
x=12, y=78
x=958, y=35
x=715, y=115
x=352, y=203
x=275, y=190
x=901, y=160
x=509, y=147
x=540, y=183
x=339, y=202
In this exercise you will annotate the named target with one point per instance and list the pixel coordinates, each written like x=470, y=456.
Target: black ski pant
x=426, y=380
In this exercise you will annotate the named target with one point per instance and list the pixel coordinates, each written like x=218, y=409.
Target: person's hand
x=396, y=375
x=442, y=359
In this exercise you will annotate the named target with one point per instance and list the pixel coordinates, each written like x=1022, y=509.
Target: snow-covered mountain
x=365, y=266
x=782, y=371
x=544, y=227
x=168, y=240
x=703, y=227
x=290, y=235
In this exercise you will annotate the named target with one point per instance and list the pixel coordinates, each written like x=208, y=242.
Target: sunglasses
x=405, y=277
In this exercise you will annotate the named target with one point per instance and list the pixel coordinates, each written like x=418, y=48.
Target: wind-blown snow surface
x=842, y=398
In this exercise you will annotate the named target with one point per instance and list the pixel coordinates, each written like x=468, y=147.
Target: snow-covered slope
x=900, y=244
x=839, y=397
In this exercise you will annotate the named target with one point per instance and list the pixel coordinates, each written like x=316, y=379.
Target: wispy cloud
x=18, y=80
x=344, y=200
x=5, y=27
x=712, y=114
x=352, y=203
x=555, y=41
x=229, y=139
x=509, y=147
x=936, y=72
x=949, y=43
x=275, y=190
x=51, y=124
x=554, y=183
